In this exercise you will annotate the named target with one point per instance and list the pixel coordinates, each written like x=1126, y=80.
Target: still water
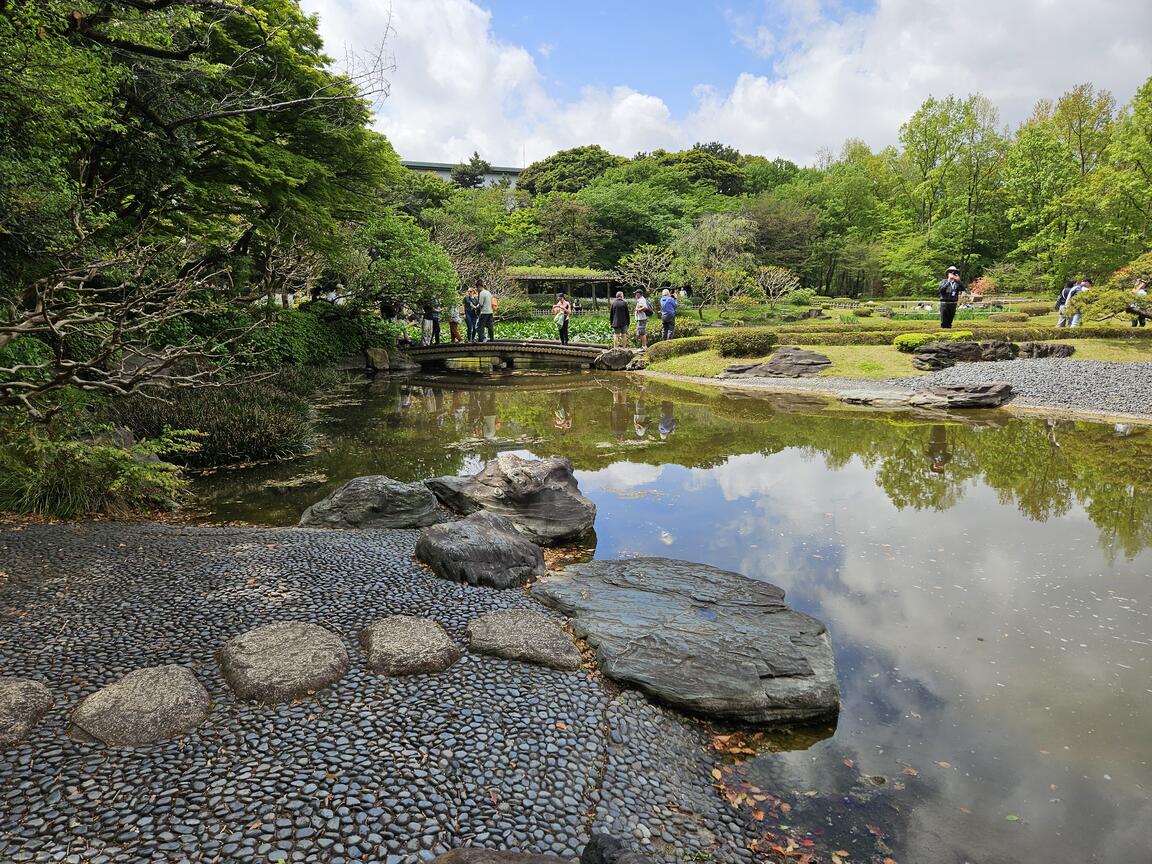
x=987, y=583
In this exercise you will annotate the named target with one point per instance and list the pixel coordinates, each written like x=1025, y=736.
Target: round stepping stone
x=483, y=549
x=518, y=634
x=23, y=703
x=282, y=661
x=145, y=706
x=407, y=645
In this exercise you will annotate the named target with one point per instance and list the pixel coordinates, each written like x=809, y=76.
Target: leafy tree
x=714, y=255
x=569, y=235
x=720, y=151
x=470, y=174
x=763, y=175
x=567, y=171
x=402, y=265
x=784, y=229
x=702, y=167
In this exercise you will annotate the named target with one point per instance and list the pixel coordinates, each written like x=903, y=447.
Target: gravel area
x=491, y=753
x=1062, y=384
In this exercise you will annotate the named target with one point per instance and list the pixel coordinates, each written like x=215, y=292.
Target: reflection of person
x=667, y=420
x=640, y=418
x=950, y=290
x=563, y=415
x=562, y=310
x=938, y=450
x=618, y=417
x=619, y=316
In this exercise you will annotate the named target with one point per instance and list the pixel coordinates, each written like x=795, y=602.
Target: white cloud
x=457, y=88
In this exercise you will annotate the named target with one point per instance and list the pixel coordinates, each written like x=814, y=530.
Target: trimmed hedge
x=678, y=348
x=1007, y=317
x=1011, y=334
x=1034, y=309
x=909, y=342
x=745, y=343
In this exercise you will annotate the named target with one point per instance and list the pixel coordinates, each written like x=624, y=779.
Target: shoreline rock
x=481, y=549
x=374, y=502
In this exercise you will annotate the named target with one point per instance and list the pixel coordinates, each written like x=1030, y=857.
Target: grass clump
x=1008, y=317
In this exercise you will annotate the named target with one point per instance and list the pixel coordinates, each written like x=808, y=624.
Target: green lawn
x=884, y=361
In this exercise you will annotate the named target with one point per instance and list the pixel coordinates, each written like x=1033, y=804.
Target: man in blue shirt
x=668, y=307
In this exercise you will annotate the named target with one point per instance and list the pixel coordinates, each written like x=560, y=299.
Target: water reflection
x=986, y=581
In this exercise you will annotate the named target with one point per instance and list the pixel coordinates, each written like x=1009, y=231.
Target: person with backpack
x=1062, y=319
x=668, y=307
x=562, y=311
x=644, y=311
x=1085, y=285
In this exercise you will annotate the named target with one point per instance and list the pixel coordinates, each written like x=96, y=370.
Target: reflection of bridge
x=508, y=351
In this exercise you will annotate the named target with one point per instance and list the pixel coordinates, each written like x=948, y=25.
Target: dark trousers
x=486, y=327
x=435, y=331
x=947, y=313
x=470, y=322
x=564, y=332
x=668, y=330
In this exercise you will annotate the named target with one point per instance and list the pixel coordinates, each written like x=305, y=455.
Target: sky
x=517, y=80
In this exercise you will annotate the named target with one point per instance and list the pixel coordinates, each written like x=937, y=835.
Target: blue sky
x=518, y=80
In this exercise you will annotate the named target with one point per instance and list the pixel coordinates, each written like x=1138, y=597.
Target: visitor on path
x=644, y=311
x=950, y=290
x=487, y=310
x=426, y=326
x=668, y=307
x=1085, y=285
x=562, y=311
x=454, y=321
x=471, y=313
x=619, y=316
x=1063, y=317
x=1140, y=294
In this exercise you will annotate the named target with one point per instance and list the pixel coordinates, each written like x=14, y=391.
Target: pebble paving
x=491, y=753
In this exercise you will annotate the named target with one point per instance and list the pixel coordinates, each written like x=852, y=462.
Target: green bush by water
x=756, y=342
x=678, y=348
x=909, y=342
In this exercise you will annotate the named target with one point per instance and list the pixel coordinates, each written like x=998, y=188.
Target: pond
x=986, y=581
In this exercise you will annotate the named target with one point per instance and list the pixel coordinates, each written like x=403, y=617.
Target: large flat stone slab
x=282, y=661
x=540, y=497
x=481, y=549
x=374, y=502
x=708, y=641
x=519, y=634
x=23, y=704
x=157, y=703
x=407, y=645
x=963, y=396
x=787, y=362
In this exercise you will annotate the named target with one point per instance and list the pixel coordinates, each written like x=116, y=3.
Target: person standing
x=619, y=317
x=644, y=311
x=487, y=330
x=668, y=307
x=471, y=313
x=1139, y=298
x=950, y=290
x=1085, y=285
x=562, y=311
x=1063, y=319
x=454, y=320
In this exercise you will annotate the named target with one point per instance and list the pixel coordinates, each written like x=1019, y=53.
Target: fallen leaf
x=944, y=764
x=785, y=807
x=716, y=773
x=911, y=772
x=1012, y=817
x=561, y=725
x=874, y=831
x=849, y=763
x=811, y=793
x=758, y=815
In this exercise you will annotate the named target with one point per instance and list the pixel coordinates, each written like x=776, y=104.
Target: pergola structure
x=584, y=286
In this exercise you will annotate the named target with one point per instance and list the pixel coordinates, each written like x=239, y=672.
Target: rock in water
x=538, y=496
x=708, y=641
x=407, y=645
x=481, y=549
x=518, y=634
x=991, y=395
x=23, y=704
x=785, y=363
x=282, y=661
x=613, y=360
x=145, y=706
x=374, y=502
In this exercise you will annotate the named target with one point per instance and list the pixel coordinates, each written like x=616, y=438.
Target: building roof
x=448, y=166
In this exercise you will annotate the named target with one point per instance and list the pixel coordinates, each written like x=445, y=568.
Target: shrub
x=515, y=307
x=745, y=343
x=686, y=327
x=801, y=297
x=317, y=335
x=63, y=479
x=678, y=348
x=1034, y=309
x=909, y=342
x=240, y=423
x=1008, y=317
x=863, y=312
x=25, y=351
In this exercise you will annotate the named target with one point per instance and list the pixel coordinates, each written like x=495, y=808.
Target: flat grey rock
x=1040, y=350
x=282, y=661
x=965, y=396
x=708, y=641
x=407, y=645
x=157, y=703
x=374, y=502
x=481, y=549
x=23, y=704
x=941, y=355
x=540, y=497
x=519, y=634
x=785, y=362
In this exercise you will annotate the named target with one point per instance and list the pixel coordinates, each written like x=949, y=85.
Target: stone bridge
x=508, y=351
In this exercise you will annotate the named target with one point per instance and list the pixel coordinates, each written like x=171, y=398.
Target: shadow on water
x=987, y=582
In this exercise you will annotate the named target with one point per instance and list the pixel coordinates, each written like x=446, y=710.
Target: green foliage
x=514, y=307
x=745, y=343
x=60, y=478
x=909, y=342
x=26, y=358
x=404, y=264
x=678, y=348
x=470, y=174
x=1007, y=317
x=1031, y=310
x=863, y=312
x=801, y=297
x=581, y=328
x=567, y=171
x=316, y=335
x=559, y=272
